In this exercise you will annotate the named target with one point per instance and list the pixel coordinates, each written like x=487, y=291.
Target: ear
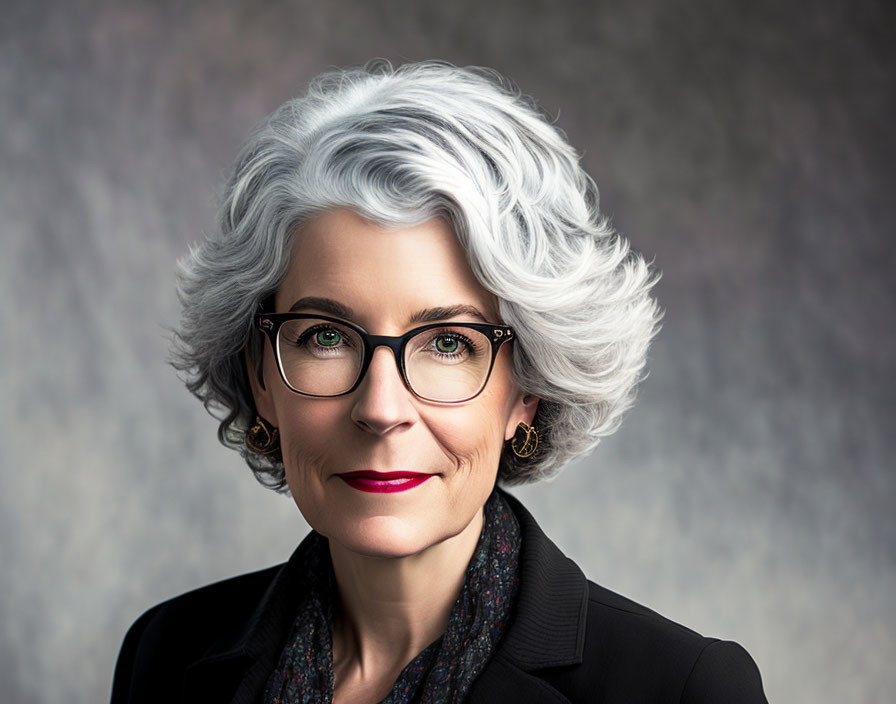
x=523, y=412
x=261, y=392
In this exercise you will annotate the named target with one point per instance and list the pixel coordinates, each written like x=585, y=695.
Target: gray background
x=747, y=147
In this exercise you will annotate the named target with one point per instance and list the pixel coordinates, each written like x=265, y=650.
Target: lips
x=384, y=482
x=383, y=476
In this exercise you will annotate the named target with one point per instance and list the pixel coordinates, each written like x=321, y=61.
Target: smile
x=384, y=482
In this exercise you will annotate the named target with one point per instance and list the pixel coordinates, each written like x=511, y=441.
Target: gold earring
x=529, y=445
x=263, y=438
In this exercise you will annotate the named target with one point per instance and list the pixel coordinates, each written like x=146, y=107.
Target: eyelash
x=454, y=336
x=319, y=328
x=471, y=346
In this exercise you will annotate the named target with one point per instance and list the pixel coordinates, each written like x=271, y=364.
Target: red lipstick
x=384, y=482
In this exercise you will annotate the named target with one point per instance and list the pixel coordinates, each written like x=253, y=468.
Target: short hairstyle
x=400, y=146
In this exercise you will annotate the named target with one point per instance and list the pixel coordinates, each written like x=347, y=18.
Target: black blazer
x=570, y=640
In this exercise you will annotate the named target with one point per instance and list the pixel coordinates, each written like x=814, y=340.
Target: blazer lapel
x=232, y=677
x=237, y=666
x=548, y=628
x=502, y=682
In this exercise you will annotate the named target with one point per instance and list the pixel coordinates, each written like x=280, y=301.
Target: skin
x=399, y=558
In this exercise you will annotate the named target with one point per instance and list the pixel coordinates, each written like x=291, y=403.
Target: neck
x=390, y=609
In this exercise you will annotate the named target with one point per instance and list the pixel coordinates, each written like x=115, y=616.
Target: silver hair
x=400, y=146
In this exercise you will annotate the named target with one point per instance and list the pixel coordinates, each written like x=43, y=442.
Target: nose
x=382, y=402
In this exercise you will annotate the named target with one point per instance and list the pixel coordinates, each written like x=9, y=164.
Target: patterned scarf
x=444, y=671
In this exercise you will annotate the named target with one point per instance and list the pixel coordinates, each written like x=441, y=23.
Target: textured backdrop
x=748, y=148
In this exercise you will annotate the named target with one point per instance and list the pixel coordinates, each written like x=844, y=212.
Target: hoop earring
x=263, y=438
x=530, y=443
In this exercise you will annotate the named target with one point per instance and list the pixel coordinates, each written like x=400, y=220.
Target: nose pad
x=393, y=367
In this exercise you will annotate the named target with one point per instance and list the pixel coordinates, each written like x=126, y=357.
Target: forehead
x=384, y=275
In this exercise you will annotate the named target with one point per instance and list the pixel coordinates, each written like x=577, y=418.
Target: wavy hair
x=400, y=146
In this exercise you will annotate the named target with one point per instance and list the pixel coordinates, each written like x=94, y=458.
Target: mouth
x=384, y=482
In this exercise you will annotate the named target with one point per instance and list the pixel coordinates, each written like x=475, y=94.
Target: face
x=385, y=277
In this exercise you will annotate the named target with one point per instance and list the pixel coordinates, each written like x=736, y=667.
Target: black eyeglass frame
x=270, y=323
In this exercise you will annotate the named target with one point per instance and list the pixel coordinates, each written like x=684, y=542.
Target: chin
x=386, y=536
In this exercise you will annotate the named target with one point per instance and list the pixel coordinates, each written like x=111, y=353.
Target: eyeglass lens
x=323, y=358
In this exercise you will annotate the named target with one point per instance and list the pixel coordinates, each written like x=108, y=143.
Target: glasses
x=442, y=362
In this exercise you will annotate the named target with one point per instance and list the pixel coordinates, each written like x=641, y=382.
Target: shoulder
x=171, y=635
x=632, y=653
x=590, y=644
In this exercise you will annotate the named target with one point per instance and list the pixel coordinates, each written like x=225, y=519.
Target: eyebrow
x=427, y=315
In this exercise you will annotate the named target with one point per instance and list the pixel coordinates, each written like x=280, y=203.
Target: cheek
x=307, y=428
x=474, y=436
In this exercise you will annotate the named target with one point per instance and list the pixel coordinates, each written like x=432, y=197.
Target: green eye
x=328, y=338
x=450, y=348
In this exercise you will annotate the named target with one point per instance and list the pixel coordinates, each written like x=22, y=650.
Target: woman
x=411, y=298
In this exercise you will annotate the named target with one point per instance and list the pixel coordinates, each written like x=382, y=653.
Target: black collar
x=547, y=630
